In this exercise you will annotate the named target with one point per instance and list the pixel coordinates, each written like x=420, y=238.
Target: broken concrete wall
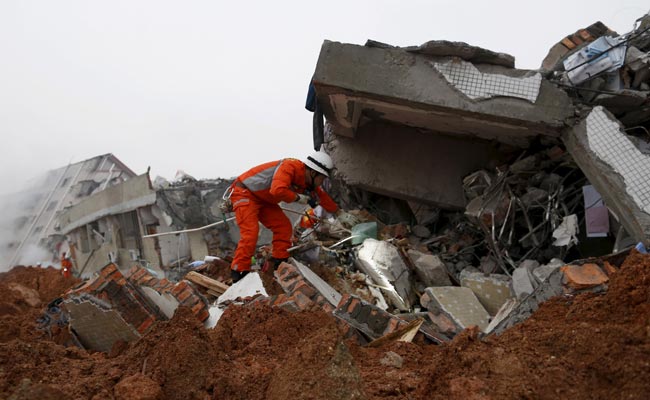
x=436, y=165
x=108, y=226
x=115, y=307
x=380, y=100
x=616, y=167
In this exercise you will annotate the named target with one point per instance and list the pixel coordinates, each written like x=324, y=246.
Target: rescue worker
x=66, y=265
x=255, y=197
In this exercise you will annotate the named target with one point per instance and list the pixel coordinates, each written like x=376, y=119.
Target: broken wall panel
x=616, y=167
x=436, y=165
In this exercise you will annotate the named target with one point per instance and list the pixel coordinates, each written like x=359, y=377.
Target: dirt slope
x=582, y=347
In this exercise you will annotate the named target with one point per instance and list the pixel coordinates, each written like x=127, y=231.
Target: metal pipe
x=189, y=230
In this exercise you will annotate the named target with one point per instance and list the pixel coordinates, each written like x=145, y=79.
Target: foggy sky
x=213, y=87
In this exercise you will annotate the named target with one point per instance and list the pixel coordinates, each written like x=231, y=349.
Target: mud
x=579, y=347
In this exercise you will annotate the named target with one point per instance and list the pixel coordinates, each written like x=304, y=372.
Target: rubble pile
x=577, y=346
x=504, y=255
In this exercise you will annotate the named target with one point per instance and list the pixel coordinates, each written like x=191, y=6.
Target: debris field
x=506, y=257
x=583, y=346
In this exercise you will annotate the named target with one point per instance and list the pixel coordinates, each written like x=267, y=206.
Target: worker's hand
x=303, y=199
x=346, y=219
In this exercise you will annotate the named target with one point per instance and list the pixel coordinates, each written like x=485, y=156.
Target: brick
x=352, y=306
x=305, y=288
x=203, y=315
x=184, y=294
x=95, y=285
x=568, y=43
x=137, y=275
x=108, y=271
x=577, y=40
x=119, y=280
x=303, y=302
x=584, y=276
x=180, y=286
x=144, y=281
x=132, y=271
x=191, y=301
x=146, y=325
x=585, y=35
x=197, y=308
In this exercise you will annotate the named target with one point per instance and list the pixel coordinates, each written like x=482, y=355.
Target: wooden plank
x=208, y=283
x=404, y=334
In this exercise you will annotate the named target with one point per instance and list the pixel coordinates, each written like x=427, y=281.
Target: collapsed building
x=481, y=192
x=31, y=214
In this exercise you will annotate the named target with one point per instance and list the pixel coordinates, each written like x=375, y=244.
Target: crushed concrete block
x=521, y=284
x=382, y=262
x=544, y=271
x=551, y=287
x=586, y=276
x=458, y=303
x=429, y=269
x=368, y=319
x=491, y=290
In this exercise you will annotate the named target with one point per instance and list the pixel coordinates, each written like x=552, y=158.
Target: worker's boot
x=237, y=276
x=273, y=263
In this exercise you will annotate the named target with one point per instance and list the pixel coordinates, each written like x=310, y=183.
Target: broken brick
x=184, y=294
x=584, y=276
x=568, y=43
x=146, y=325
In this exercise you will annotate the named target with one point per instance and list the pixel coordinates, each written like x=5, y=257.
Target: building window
x=129, y=237
x=65, y=182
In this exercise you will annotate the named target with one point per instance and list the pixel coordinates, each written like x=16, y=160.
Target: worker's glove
x=346, y=219
x=303, y=199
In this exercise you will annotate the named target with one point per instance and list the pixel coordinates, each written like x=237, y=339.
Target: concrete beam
x=356, y=84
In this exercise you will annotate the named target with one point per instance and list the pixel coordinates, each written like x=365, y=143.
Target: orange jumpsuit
x=66, y=267
x=255, y=197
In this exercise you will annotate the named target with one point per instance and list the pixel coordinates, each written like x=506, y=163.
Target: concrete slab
x=458, y=303
x=165, y=302
x=521, y=284
x=382, y=262
x=616, y=167
x=355, y=83
x=249, y=286
x=97, y=325
x=491, y=290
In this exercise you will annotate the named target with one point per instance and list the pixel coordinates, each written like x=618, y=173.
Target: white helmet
x=320, y=162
